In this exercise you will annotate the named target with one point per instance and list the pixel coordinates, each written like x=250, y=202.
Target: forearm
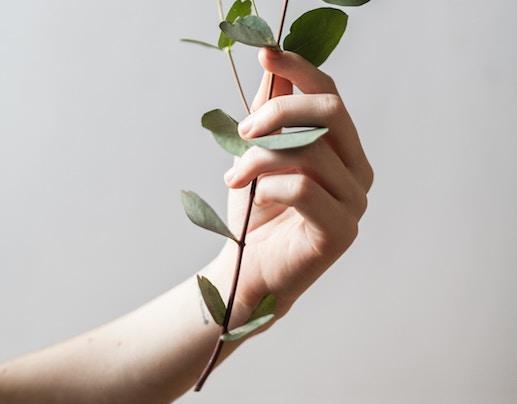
x=151, y=355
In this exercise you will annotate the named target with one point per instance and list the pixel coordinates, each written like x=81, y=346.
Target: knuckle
x=363, y=203
x=369, y=175
x=330, y=104
x=276, y=108
x=354, y=230
x=301, y=187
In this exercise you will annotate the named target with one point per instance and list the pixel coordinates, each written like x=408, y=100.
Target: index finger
x=293, y=67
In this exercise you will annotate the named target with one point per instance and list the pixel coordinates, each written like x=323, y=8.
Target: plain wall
x=99, y=130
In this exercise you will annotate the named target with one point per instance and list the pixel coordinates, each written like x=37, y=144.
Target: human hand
x=308, y=201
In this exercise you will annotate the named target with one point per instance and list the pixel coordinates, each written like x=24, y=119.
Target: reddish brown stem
x=242, y=240
x=242, y=243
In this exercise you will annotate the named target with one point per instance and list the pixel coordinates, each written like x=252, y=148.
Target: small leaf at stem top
x=347, y=2
x=250, y=30
x=201, y=214
x=266, y=306
x=240, y=8
x=212, y=299
x=198, y=42
x=316, y=34
x=246, y=329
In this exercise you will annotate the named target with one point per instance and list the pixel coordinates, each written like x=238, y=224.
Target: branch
x=238, y=81
x=242, y=240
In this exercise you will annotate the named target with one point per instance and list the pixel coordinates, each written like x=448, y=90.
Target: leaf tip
x=246, y=329
x=185, y=195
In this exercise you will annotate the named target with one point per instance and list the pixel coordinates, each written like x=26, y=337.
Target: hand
x=309, y=200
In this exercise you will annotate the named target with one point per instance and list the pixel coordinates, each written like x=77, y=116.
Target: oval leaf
x=201, y=214
x=316, y=34
x=266, y=306
x=290, y=140
x=212, y=298
x=238, y=9
x=224, y=129
x=198, y=42
x=250, y=30
x=347, y=2
x=246, y=329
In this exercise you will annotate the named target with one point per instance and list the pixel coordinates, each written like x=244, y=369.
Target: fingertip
x=233, y=179
x=229, y=175
x=237, y=183
x=262, y=57
x=268, y=57
x=245, y=127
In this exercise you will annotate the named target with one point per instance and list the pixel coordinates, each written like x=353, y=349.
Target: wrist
x=251, y=287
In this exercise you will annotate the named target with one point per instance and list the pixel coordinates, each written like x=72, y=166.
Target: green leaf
x=224, y=129
x=347, y=2
x=246, y=329
x=316, y=34
x=266, y=306
x=198, y=42
x=290, y=140
x=250, y=30
x=241, y=8
x=201, y=214
x=213, y=299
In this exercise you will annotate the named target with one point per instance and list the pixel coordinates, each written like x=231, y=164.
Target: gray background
x=99, y=130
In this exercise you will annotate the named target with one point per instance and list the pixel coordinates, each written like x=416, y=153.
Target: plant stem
x=242, y=243
x=242, y=240
x=255, y=8
x=238, y=81
x=228, y=52
x=278, y=38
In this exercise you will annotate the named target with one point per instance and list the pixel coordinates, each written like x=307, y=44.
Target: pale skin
x=307, y=208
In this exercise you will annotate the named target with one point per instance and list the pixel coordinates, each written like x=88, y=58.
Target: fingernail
x=245, y=126
x=228, y=176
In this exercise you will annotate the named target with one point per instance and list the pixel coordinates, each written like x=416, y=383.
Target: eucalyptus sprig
x=314, y=35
